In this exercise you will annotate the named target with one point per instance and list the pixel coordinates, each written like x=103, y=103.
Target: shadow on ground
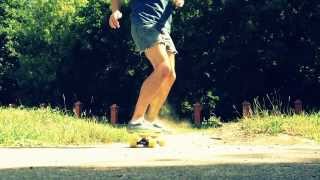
x=220, y=171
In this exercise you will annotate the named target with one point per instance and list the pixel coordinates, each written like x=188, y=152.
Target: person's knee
x=164, y=69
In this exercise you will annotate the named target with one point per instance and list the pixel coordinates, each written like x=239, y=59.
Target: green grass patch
x=306, y=125
x=50, y=127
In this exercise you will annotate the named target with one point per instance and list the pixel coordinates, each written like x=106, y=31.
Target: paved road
x=180, y=150
x=186, y=156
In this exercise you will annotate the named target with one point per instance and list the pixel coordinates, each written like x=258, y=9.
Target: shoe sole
x=137, y=130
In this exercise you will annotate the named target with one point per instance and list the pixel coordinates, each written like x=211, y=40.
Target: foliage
x=59, y=51
x=211, y=122
x=38, y=34
x=245, y=49
x=8, y=64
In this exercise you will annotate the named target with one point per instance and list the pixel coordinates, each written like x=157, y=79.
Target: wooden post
x=298, y=106
x=114, y=109
x=246, y=109
x=77, y=107
x=197, y=108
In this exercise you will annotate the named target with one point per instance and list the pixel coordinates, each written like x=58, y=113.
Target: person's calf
x=172, y=78
x=158, y=101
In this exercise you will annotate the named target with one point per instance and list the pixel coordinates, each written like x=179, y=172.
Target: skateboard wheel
x=133, y=142
x=133, y=145
x=152, y=143
x=161, y=142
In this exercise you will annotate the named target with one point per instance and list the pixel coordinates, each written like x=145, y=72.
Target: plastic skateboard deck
x=150, y=140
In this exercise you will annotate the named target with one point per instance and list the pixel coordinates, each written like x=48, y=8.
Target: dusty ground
x=232, y=134
x=226, y=153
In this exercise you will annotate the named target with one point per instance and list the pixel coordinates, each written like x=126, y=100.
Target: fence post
x=246, y=109
x=197, y=108
x=114, y=109
x=298, y=106
x=77, y=107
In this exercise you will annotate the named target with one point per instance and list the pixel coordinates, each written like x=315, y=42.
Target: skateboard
x=150, y=140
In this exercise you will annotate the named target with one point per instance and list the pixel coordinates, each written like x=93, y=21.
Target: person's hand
x=114, y=19
x=178, y=3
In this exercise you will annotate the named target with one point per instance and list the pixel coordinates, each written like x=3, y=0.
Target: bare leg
x=158, y=57
x=160, y=98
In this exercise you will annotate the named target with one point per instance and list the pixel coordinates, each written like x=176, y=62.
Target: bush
x=228, y=51
x=211, y=122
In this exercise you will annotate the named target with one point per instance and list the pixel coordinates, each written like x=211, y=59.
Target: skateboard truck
x=143, y=140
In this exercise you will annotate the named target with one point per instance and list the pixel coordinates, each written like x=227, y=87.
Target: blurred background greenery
x=60, y=51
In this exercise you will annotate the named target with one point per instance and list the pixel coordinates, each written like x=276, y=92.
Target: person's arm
x=116, y=14
x=115, y=5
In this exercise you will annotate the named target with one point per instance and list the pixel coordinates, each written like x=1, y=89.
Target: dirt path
x=198, y=152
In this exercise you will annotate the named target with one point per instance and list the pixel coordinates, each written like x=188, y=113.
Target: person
x=150, y=30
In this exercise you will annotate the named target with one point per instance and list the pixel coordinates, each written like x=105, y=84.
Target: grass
x=38, y=127
x=281, y=119
x=50, y=127
x=306, y=125
x=271, y=116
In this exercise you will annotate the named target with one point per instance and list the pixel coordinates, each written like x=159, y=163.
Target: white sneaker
x=141, y=125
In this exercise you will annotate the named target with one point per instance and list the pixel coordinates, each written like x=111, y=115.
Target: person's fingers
x=117, y=17
x=117, y=24
x=114, y=23
x=111, y=23
x=114, y=20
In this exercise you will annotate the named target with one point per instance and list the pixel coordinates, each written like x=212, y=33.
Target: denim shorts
x=146, y=36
